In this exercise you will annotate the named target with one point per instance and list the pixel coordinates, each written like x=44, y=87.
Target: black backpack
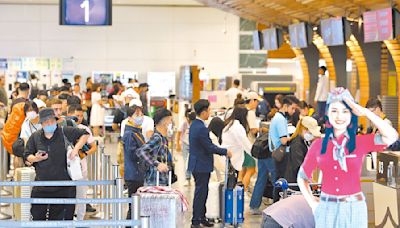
x=260, y=149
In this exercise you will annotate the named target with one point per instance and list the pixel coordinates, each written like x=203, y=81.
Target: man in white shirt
x=232, y=93
x=321, y=94
x=147, y=125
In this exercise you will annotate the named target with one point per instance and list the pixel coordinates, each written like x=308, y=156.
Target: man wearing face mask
x=307, y=131
x=133, y=140
x=279, y=135
x=155, y=152
x=46, y=150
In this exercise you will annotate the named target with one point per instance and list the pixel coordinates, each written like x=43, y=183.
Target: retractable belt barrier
x=107, y=181
x=117, y=221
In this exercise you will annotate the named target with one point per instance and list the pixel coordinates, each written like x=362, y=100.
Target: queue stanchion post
x=114, y=193
x=135, y=208
x=3, y=172
x=103, y=177
x=145, y=221
x=89, y=160
x=96, y=175
x=107, y=189
x=118, y=193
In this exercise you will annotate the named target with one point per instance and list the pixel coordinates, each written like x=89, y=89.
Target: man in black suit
x=201, y=161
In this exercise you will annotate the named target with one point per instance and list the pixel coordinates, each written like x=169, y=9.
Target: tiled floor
x=250, y=221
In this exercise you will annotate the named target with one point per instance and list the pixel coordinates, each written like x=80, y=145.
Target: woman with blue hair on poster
x=339, y=155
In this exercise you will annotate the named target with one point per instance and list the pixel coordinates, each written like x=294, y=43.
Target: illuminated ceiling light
x=315, y=28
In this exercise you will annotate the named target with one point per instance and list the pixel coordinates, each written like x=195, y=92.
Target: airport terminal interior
x=200, y=113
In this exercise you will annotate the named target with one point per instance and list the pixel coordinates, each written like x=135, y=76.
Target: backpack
x=12, y=127
x=260, y=149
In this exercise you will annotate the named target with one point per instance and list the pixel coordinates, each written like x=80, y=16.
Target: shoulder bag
x=74, y=167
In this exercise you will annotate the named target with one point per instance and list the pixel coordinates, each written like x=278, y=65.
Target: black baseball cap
x=46, y=114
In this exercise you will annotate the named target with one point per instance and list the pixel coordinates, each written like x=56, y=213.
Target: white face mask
x=31, y=115
x=308, y=137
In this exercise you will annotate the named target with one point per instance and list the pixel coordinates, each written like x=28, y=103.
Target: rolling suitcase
x=165, y=209
x=233, y=201
x=214, y=195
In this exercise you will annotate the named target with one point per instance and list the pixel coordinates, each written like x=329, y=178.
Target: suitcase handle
x=169, y=178
x=226, y=172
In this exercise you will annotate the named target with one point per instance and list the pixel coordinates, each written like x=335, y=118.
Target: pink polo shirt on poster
x=335, y=181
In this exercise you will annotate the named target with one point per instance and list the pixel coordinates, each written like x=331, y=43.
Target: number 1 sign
x=85, y=12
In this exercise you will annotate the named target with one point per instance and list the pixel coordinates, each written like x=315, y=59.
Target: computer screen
x=333, y=32
x=257, y=40
x=378, y=25
x=298, y=35
x=272, y=38
x=86, y=12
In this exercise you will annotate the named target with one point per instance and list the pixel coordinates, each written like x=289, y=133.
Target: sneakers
x=255, y=211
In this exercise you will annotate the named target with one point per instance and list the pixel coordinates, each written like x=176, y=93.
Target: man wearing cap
x=46, y=150
x=143, y=89
x=249, y=163
x=201, y=161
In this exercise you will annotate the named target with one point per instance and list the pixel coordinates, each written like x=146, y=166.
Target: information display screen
x=85, y=12
x=378, y=25
x=298, y=35
x=332, y=31
x=271, y=41
x=257, y=40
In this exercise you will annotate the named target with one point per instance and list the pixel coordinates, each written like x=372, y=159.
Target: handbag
x=279, y=153
x=18, y=147
x=74, y=167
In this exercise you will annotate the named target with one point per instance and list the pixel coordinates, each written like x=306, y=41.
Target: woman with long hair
x=234, y=138
x=339, y=155
x=216, y=127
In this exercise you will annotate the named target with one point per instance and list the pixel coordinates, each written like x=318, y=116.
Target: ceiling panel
x=115, y=2
x=285, y=12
